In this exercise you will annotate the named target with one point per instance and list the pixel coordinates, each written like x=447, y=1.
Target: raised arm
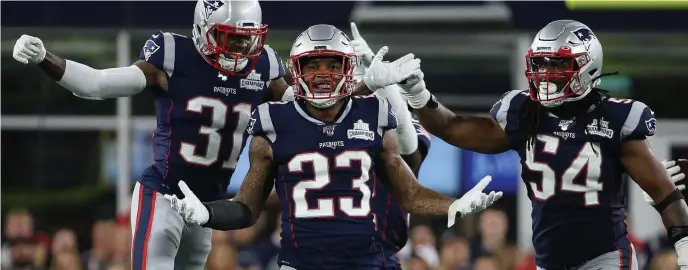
x=243, y=211
x=90, y=83
x=479, y=134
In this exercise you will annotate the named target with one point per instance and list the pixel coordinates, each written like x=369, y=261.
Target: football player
x=576, y=145
x=391, y=220
x=326, y=151
x=205, y=88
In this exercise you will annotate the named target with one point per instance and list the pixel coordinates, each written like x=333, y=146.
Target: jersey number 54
x=588, y=161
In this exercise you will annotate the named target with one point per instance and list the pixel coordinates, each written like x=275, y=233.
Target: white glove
x=674, y=172
x=361, y=48
x=29, y=49
x=415, y=91
x=473, y=201
x=190, y=208
x=380, y=74
x=682, y=252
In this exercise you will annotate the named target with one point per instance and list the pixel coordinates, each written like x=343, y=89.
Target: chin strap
x=600, y=77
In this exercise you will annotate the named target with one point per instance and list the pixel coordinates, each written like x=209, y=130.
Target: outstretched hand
x=473, y=201
x=190, y=208
x=381, y=74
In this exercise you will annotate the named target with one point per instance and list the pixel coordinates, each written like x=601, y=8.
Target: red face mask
x=322, y=74
x=234, y=50
x=554, y=76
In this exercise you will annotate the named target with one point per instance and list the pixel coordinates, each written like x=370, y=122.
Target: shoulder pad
x=159, y=50
x=639, y=120
x=276, y=63
x=260, y=123
x=506, y=110
x=386, y=119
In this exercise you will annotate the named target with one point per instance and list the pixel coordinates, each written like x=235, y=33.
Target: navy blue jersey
x=574, y=177
x=202, y=118
x=390, y=219
x=326, y=172
x=423, y=137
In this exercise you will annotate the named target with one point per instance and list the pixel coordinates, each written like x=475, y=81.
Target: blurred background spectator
x=65, y=198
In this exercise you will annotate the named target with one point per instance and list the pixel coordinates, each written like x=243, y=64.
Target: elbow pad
x=89, y=83
x=228, y=215
x=408, y=140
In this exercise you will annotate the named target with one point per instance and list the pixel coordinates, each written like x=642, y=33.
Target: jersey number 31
x=218, y=114
x=322, y=172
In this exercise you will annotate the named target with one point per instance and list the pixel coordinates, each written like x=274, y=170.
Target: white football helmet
x=229, y=35
x=563, y=63
x=322, y=85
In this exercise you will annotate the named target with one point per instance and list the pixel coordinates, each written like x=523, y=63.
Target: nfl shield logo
x=564, y=124
x=329, y=130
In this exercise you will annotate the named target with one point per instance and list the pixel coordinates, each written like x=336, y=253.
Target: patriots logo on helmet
x=211, y=6
x=150, y=48
x=584, y=34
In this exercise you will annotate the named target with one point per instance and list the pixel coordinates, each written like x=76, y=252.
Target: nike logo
x=156, y=36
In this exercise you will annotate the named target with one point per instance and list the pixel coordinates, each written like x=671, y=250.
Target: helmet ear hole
x=592, y=72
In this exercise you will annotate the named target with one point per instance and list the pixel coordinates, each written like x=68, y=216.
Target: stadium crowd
x=256, y=248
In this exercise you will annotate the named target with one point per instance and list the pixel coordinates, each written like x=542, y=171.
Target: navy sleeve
x=423, y=135
x=386, y=118
x=640, y=122
x=276, y=64
x=506, y=110
x=424, y=139
x=153, y=50
x=260, y=123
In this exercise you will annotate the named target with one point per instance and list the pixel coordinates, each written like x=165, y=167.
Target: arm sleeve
x=408, y=140
x=98, y=84
x=640, y=122
x=227, y=215
x=89, y=83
